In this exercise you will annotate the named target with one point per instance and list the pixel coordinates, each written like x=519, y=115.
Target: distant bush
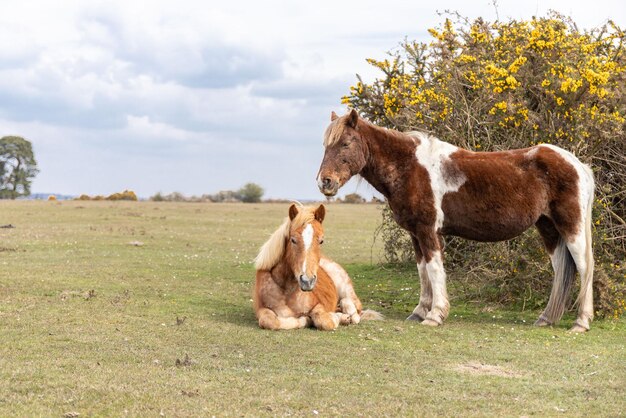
x=250, y=193
x=353, y=198
x=502, y=85
x=224, y=196
x=125, y=195
x=172, y=197
x=157, y=197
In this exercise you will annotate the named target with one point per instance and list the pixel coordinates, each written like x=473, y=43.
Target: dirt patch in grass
x=87, y=295
x=476, y=368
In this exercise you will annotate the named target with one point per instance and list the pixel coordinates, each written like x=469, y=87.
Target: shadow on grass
x=231, y=313
x=394, y=291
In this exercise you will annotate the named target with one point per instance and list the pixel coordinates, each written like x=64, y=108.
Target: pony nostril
x=326, y=181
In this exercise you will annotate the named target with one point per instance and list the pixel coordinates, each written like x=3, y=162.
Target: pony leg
x=324, y=320
x=580, y=248
x=582, y=252
x=440, y=304
x=269, y=320
x=349, y=302
x=426, y=293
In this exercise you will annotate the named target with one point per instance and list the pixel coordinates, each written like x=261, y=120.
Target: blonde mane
x=334, y=131
x=272, y=251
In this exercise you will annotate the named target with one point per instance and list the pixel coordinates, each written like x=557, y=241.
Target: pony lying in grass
x=296, y=286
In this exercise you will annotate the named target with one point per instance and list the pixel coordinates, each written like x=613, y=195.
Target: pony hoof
x=415, y=317
x=430, y=322
x=542, y=323
x=344, y=319
x=577, y=328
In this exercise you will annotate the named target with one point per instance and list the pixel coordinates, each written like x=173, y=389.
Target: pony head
x=296, y=243
x=302, y=250
x=345, y=153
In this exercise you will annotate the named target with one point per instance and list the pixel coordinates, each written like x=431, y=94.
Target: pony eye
x=345, y=145
x=321, y=241
x=293, y=240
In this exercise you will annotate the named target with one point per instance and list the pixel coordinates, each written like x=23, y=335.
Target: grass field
x=143, y=309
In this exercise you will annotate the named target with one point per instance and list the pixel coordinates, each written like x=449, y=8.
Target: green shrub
x=250, y=193
x=353, y=198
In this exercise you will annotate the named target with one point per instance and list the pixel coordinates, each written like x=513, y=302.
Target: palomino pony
x=434, y=188
x=296, y=286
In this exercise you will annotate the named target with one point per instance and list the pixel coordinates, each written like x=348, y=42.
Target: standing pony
x=434, y=188
x=296, y=286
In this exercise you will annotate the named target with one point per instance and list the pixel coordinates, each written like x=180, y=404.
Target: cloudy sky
x=202, y=96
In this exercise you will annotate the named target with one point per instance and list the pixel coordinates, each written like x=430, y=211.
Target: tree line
x=248, y=193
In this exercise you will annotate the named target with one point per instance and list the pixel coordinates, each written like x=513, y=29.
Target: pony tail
x=371, y=315
x=564, y=275
x=272, y=251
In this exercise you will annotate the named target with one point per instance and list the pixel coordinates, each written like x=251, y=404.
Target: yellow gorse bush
x=544, y=67
x=502, y=85
x=125, y=195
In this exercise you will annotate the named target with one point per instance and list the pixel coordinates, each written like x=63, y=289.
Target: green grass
x=88, y=324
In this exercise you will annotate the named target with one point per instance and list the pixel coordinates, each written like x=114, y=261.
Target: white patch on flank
x=432, y=153
x=307, y=239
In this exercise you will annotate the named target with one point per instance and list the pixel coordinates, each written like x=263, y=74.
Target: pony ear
x=320, y=213
x=353, y=118
x=333, y=116
x=293, y=211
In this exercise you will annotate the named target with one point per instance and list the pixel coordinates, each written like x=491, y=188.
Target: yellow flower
x=512, y=82
x=464, y=58
x=500, y=106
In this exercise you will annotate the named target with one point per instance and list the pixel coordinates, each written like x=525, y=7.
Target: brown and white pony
x=434, y=188
x=296, y=286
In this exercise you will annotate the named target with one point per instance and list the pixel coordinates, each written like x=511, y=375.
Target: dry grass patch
x=480, y=369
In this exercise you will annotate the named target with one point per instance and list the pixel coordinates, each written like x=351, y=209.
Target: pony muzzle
x=307, y=284
x=328, y=186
